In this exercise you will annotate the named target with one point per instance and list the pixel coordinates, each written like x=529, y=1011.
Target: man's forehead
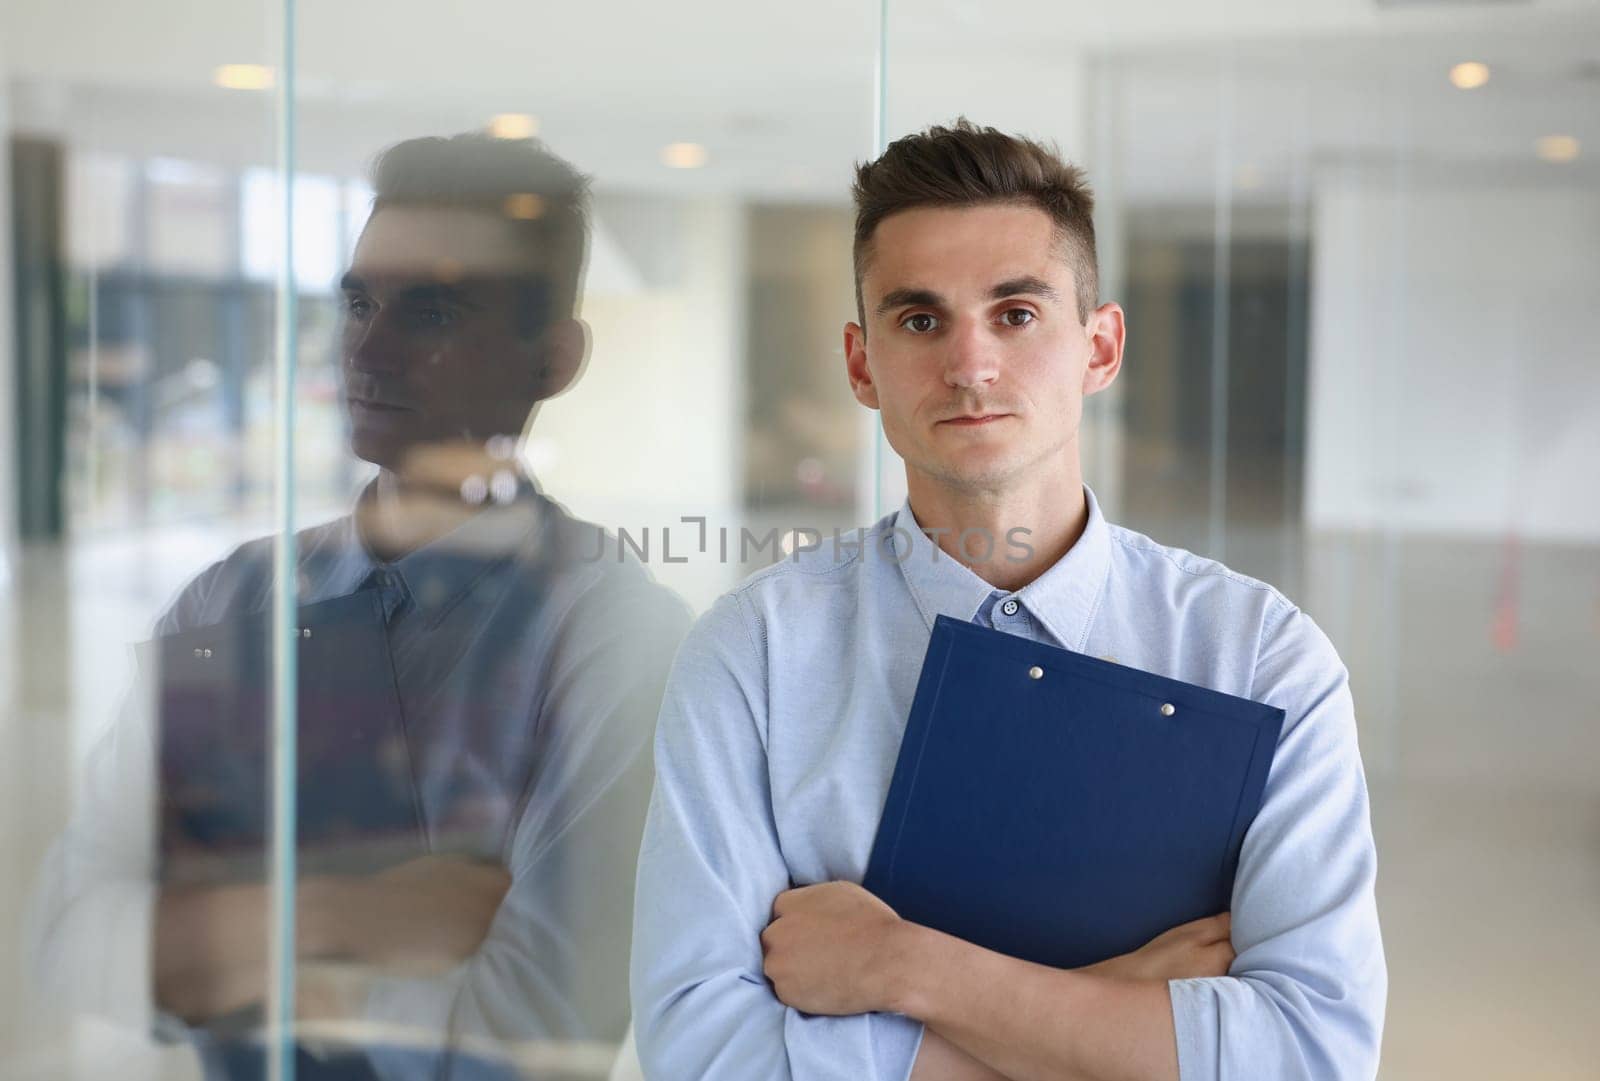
x=441, y=243
x=965, y=250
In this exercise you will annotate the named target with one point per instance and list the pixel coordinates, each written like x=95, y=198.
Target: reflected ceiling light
x=523, y=206
x=683, y=155
x=1469, y=75
x=1557, y=147
x=514, y=126
x=243, y=77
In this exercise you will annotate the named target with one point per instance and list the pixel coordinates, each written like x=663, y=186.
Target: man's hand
x=425, y=915
x=1200, y=948
x=827, y=949
x=1190, y=950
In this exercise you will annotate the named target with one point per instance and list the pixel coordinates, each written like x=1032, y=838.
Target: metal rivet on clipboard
x=1036, y=672
x=1168, y=709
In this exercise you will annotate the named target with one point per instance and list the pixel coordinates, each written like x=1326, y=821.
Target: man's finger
x=787, y=899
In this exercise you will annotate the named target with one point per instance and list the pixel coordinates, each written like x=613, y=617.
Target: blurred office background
x=1358, y=242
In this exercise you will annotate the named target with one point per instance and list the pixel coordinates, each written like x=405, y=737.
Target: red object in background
x=1504, y=626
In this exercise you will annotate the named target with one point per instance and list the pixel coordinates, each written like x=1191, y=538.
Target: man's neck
x=396, y=518
x=1010, y=536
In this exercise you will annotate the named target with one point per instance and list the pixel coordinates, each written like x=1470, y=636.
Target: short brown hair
x=542, y=197
x=967, y=165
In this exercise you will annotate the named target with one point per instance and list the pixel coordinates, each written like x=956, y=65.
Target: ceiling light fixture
x=1557, y=148
x=683, y=155
x=1469, y=75
x=243, y=77
x=524, y=206
x=514, y=126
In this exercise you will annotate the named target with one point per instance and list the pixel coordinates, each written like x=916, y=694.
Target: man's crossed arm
x=835, y=949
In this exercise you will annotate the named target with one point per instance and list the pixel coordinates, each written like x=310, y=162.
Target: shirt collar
x=442, y=573
x=1065, y=598
x=333, y=562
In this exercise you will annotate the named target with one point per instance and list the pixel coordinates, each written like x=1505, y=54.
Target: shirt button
x=1009, y=607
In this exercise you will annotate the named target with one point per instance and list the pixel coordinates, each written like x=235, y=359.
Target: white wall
x=653, y=430
x=1455, y=333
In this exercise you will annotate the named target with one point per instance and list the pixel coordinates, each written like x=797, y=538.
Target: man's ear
x=563, y=354
x=1107, y=337
x=855, y=365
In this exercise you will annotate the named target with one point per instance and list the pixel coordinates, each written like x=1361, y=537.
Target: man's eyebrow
x=902, y=298
x=434, y=291
x=1028, y=285
x=1025, y=286
x=417, y=292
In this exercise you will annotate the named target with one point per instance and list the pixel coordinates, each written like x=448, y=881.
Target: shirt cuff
x=1195, y=1021
x=101, y=956
x=889, y=1038
x=420, y=1005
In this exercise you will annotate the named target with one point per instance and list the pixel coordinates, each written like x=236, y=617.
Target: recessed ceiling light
x=1557, y=147
x=1469, y=75
x=524, y=206
x=683, y=155
x=243, y=77
x=514, y=126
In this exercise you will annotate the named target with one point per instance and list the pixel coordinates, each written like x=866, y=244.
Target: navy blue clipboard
x=1063, y=809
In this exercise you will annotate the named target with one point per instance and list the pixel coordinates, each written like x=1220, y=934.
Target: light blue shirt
x=778, y=735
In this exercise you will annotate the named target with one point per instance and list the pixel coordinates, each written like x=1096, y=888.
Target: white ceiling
x=782, y=94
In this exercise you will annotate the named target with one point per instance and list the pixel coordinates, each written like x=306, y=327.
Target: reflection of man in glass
x=477, y=692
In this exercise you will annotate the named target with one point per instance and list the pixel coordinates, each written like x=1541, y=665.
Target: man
x=487, y=897
x=756, y=955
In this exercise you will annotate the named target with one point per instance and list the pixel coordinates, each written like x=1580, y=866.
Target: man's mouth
x=975, y=421
x=373, y=405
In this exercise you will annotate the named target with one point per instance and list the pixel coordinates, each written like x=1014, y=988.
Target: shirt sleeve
x=1305, y=997
x=710, y=866
x=89, y=929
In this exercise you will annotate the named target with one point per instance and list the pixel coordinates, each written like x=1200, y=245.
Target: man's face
x=434, y=348
x=973, y=350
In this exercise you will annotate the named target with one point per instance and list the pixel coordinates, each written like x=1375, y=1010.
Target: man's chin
x=975, y=475
x=383, y=451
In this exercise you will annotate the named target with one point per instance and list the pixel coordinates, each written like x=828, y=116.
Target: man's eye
x=433, y=317
x=359, y=307
x=921, y=323
x=1017, y=317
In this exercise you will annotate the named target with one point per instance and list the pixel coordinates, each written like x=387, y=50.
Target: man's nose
x=373, y=346
x=972, y=360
